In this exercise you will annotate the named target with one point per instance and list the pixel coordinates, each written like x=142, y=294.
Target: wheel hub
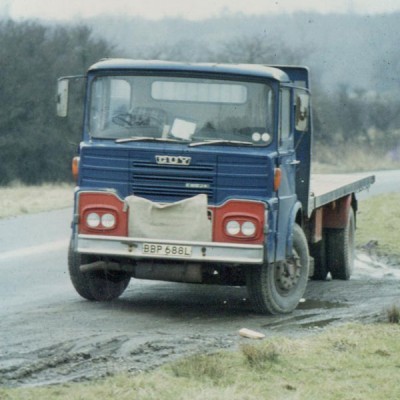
x=288, y=273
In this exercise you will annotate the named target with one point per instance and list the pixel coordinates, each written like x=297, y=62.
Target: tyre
x=318, y=252
x=277, y=288
x=95, y=285
x=340, y=249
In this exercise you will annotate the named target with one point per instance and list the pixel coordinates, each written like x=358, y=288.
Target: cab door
x=287, y=163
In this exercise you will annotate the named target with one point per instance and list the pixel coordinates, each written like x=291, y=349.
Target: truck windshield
x=183, y=109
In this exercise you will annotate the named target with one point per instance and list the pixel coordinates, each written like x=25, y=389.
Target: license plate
x=167, y=250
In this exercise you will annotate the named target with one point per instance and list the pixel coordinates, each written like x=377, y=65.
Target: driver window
x=120, y=96
x=285, y=118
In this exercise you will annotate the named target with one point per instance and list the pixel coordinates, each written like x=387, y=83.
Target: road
x=50, y=335
x=385, y=182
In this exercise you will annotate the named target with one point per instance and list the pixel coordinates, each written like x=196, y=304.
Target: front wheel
x=95, y=285
x=278, y=288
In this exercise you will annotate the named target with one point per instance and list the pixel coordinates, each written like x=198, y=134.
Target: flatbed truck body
x=200, y=173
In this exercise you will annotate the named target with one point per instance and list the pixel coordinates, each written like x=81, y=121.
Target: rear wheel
x=340, y=249
x=277, y=288
x=95, y=285
x=318, y=252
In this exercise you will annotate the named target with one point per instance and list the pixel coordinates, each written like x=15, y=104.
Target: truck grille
x=170, y=182
x=221, y=176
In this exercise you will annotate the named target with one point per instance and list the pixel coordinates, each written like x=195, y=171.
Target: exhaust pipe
x=101, y=266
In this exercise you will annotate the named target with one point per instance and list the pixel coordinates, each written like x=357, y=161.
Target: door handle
x=294, y=162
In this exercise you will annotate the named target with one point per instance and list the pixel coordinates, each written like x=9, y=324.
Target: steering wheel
x=148, y=119
x=141, y=116
x=124, y=119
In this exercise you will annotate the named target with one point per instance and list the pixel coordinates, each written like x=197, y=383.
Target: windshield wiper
x=149, y=139
x=221, y=141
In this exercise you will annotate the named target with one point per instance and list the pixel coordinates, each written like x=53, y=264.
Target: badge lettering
x=173, y=160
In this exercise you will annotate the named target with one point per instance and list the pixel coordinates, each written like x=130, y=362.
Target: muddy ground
x=62, y=338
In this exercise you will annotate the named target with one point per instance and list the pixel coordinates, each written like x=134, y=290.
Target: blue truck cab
x=200, y=173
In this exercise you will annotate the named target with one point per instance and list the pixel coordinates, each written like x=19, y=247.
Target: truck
x=201, y=173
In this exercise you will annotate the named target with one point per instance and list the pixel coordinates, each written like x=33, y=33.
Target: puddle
x=318, y=324
x=366, y=265
x=307, y=319
x=310, y=319
x=318, y=304
x=301, y=321
x=288, y=321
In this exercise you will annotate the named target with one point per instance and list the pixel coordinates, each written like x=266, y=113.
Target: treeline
x=36, y=146
x=358, y=117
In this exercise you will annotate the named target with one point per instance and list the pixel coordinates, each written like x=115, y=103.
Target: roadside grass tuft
x=393, y=314
x=261, y=355
x=202, y=367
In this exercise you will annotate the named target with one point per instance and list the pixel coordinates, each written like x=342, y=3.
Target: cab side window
x=285, y=137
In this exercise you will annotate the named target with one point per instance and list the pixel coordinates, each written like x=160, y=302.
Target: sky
x=189, y=9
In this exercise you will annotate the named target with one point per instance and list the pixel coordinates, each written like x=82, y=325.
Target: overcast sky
x=191, y=9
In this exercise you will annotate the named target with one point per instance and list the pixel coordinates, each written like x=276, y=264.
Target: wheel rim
x=287, y=274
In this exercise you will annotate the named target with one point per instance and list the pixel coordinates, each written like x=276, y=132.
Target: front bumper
x=133, y=248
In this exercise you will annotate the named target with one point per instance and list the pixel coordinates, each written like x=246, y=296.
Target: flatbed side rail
x=326, y=188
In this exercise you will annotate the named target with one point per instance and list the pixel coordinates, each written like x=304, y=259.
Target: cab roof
x=246, y=70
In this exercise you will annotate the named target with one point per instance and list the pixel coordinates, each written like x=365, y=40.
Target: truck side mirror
x=62, y=97
x=302, y=112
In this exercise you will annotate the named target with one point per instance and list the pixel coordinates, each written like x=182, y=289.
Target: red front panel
x=240, y=211
x=102, y=203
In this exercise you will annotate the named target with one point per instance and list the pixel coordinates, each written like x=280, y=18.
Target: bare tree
x=255, y=49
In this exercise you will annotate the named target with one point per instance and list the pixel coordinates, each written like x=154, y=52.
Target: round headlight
x=93, y=220
x=256, y=137
x=266, y=137
x=233, y=227
x=248, y=228
x=108, y=220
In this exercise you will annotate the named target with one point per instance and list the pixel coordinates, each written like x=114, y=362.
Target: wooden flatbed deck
x=326, y=188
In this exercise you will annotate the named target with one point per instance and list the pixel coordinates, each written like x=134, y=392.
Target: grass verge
x=350, y=362
x=20, y=199
x=378, y=222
